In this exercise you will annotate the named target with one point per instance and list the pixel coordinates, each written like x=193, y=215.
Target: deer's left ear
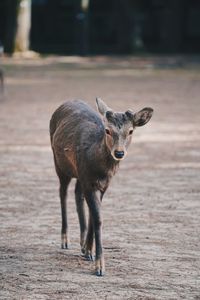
x=142, y=117
x=102, y=106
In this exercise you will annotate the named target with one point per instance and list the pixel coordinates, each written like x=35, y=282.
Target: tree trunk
x=23, y=26
x=18, y=23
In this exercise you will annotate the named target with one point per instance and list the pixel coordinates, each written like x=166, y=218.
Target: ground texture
x=151, y=211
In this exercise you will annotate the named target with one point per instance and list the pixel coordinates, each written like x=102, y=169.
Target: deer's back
x=73, y=111
x=75, y=127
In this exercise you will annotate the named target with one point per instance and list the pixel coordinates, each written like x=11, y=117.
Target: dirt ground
x=151, y=212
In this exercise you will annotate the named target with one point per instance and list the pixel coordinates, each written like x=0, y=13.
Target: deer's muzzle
x=119, y=154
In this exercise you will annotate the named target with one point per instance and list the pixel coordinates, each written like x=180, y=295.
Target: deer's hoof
x=64, y=246
x=89, y=257
x=100, y=273
x=87, y=254
x=64, y=241
x=100, y=267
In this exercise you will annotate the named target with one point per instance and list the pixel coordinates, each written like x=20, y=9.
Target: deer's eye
x=130, y=131
x=107, y=131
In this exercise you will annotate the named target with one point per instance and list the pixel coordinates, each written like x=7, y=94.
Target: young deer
x=89, y=147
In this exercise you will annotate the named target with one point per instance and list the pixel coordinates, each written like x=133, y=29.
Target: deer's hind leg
x=64, y=182
x=80, y=206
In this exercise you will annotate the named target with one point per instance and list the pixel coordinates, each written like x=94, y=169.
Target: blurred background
x=90, y=27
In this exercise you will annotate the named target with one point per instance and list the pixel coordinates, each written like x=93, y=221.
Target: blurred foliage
x=105, y=26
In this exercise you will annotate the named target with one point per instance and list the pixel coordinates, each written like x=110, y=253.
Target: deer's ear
x=102, y=107
x=142, y=117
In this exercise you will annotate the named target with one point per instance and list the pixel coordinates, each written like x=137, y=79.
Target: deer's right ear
x=143, y=116
x=102, y=107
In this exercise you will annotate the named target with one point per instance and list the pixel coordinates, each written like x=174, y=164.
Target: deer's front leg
x=88, y=247
x=94, y=205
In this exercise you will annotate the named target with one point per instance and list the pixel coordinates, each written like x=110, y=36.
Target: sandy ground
x=151, y=211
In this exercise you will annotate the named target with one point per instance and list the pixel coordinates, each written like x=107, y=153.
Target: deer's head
x=119, y=127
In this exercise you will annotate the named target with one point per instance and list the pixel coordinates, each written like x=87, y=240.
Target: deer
x=89, y=145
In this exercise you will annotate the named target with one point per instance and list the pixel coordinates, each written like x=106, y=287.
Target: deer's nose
x=119, y=154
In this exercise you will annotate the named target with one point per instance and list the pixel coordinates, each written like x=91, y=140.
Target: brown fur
x=89, y=148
